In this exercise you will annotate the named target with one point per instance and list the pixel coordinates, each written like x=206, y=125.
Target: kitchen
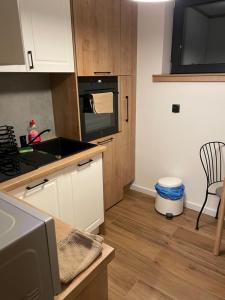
x=58, y=60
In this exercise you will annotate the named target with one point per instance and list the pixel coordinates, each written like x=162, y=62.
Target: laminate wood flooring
x=161, y=259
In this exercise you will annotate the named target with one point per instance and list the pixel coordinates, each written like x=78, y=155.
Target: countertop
x=53, y=167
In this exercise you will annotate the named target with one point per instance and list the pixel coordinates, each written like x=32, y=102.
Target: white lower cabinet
x=87, y=183
x=74, y=195
x=42, y=194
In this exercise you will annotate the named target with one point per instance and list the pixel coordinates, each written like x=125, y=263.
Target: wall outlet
x=176, y=108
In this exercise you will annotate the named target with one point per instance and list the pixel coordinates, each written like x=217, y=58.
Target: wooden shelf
x=189, y=78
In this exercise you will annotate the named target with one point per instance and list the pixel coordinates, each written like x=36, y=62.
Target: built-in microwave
x=98, y=99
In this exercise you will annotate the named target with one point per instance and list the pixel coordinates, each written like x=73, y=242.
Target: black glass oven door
x=99, y=114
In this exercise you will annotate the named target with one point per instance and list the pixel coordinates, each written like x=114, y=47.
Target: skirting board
x=191, y=205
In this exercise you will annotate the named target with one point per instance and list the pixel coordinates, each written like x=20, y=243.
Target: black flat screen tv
x=198, y=37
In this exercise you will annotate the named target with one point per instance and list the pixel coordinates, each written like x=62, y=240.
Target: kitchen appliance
x=98, y=98
x=28, y=254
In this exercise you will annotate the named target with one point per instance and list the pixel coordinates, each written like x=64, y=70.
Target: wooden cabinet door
x=47, y=35
x=128, y=37
x=112, y=176
x=128, y=117
x=87, y=187
x=97, y=36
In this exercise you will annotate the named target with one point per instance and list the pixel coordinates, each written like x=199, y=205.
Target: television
x=198, y=37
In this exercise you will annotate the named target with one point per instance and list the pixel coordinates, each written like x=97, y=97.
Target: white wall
x=168, y=144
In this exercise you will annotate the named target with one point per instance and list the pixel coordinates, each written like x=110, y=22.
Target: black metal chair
x=212, y=162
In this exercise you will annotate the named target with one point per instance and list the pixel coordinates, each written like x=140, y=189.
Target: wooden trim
x=220, y=223
x=65, y=102
x=189, y=78
x=84, y=281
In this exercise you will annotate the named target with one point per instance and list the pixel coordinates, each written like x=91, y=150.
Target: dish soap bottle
x=33, y=132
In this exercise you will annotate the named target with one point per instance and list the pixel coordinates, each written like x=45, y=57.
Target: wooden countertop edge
x=81, y=281
x=217, y=77
x=49, y=169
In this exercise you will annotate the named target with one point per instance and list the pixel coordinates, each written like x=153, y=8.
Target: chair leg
x=203, y=206
x=218, y=208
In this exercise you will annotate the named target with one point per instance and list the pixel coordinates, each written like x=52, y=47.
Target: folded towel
x=103, y=103
x=76, y=253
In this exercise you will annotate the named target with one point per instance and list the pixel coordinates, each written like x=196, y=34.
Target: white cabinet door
x=47, y=35
x=87, y=187
x=65, y=196
x=42, y=194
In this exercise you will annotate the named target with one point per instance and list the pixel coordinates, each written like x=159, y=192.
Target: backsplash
x=24, y=97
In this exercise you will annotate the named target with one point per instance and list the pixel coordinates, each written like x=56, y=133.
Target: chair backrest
x=211, y=155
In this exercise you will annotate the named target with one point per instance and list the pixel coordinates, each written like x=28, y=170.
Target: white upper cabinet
x=47, y=35
x=11, y=42
x=44, y=38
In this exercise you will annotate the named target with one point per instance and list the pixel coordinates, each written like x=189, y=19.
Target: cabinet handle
x=37, y=185
x=102, y=73
x=86, y=163
x=105, y=142
x=127, y=99
x=30, y=59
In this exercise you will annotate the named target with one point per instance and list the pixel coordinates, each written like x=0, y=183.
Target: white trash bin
x=166, y=206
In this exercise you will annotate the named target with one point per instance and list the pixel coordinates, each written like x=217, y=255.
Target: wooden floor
x=161, y=259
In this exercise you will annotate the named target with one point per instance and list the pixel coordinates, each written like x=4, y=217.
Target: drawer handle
x=86, y=163
x=102, y=73
x=30, y=58
x=37, y=185
x=105, y=142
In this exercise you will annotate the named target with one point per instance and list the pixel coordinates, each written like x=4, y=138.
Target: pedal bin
x=164, y=205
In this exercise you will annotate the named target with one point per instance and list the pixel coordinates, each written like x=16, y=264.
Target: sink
x=62, y=147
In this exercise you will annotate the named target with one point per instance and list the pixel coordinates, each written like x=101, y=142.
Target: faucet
x=42, y=132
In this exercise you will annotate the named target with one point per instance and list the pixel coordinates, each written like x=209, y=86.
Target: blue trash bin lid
x=170, y=182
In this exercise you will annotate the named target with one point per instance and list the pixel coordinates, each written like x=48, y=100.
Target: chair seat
x=219, y=191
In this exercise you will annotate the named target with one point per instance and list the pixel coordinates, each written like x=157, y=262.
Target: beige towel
x=103, y=103
x=76, y=253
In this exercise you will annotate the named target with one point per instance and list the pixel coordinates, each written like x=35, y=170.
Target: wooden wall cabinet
x=97, y=36
x=128, y=124
x=128, y=48
x=105, y=37
x=112, y=169
x=106, y=44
